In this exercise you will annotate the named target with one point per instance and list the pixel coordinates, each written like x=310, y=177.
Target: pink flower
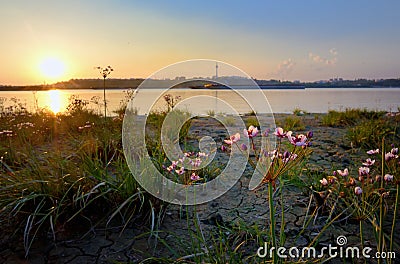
x=251, y=132
x=196, y=162
x=388, y=178
x=363, y=171
x=358, y=190
x=390, y=156
x=324, y=182
x=394, y=151
x=373, y=151
x=299, y=140
x=285, y=157
x=243, y=147
x=223, y=148
x=368, y=162
x=180, y=171
x=232, y=139
x=194, y=177
x=273, y=154
x=343, y=173
x=279, y=132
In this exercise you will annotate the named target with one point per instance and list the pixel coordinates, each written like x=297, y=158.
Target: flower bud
x=243, y=147
x=324, y=182
x=358, y=190
x=286, y=155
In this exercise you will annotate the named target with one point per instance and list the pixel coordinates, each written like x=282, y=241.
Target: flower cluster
x=24, y=125
x=186, y=168
x=369, y=184
x=280, y=159
x=87, y=125
x=7, y=133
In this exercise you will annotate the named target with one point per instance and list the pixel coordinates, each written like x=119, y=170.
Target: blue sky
x=290, y=40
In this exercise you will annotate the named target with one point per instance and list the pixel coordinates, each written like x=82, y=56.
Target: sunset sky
x=49, y=41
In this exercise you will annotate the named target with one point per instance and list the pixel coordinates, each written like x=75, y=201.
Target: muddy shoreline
x=331, y=150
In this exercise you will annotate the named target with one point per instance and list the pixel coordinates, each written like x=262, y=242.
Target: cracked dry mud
x=330, y=150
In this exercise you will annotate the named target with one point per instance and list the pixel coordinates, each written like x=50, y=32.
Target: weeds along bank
x=66, y=173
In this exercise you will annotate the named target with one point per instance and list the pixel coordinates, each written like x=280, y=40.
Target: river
x=312, y=100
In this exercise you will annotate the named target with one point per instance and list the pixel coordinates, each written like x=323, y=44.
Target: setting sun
x=52, y=68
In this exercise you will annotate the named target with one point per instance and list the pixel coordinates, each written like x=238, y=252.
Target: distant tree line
x=114, y=83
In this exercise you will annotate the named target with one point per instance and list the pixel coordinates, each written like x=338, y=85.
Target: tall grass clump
x=350, y=116
x=299, y=112
x=294, y=123
x=64, y=173
x=369, y=133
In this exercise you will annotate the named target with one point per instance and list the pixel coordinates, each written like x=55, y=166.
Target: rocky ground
x=331, y=149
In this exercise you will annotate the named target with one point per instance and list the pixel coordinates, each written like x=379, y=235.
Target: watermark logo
x=241, y=94
x=340, y=250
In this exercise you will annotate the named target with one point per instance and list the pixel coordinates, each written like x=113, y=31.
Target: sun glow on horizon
x=52, y=68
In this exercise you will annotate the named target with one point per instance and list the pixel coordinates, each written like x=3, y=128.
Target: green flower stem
x=272, y=218
x=282, y=231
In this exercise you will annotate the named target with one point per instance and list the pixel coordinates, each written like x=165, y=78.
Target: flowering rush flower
x=251, y=132
x=394, y=151
x=363, y=171
x=388, y=178
x=343, y=173
x=358, y=190
x=279, y=132
x=390, y=156
x=202, y=154
x=232, y=139
x=368, y=162
x=299, y=140
x=286, y=156
x=196, y=162
x=194, y=177
x=324, y=182
x=180, y=171
x=373, y=151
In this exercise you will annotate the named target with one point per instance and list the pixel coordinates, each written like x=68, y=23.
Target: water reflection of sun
x=56, y=101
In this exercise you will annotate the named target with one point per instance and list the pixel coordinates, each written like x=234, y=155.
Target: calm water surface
x=313, y=100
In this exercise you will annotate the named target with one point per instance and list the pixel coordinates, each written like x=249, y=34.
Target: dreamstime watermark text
x=340, y=250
